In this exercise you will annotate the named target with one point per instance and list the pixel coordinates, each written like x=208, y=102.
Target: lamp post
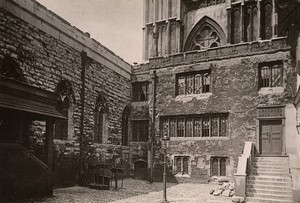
x=165, y=140
x=298, y=128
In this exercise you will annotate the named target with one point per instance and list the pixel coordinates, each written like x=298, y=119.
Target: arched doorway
x=140, y=170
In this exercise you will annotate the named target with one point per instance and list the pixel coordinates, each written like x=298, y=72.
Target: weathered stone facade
x=49, y=50
x=235, y=82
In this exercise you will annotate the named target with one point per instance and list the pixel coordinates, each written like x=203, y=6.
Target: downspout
x=82, y=97
x=153, y=126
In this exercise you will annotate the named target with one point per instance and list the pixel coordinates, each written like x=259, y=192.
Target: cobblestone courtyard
x=135, y=191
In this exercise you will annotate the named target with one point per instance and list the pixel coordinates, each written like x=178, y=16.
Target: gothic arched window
x=10, y=69
x=125, y=120
x=100, y=119
x=64, y=129
x=206, y=34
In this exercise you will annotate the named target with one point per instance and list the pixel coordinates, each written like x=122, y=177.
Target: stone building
x=219, y=74
x=64, y=103
x=219, y=78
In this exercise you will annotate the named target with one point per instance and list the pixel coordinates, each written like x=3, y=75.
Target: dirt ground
x=135, y=191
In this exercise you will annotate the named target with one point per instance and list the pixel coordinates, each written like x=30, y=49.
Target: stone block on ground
x=217, y=192
x=226, y=193
x=237, y=199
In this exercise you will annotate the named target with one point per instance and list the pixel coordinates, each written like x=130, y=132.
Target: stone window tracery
x=206, y=34
x=205, y=38
x=100, y=127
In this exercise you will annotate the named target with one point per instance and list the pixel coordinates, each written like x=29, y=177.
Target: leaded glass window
x=215, y=125
x=189, y=128
x=181, y=165
x=172, y=128
x=180, y=128
x=205, y=127
x=193, y=83
x=197, y=127
x=218, y=166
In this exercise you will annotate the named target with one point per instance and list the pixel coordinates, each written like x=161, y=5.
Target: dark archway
x=206, y=34
x=140, y=170
x=64, y=129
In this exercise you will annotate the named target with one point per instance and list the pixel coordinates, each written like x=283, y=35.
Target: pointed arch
x=206, y=34
x=101, y=111
x=64, y=129
x=10, y=69
x=125, y=124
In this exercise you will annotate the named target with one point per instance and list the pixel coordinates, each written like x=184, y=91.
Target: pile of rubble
x=225, y=189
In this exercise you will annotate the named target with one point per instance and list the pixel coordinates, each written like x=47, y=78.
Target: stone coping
x=40, y=17
x=220, y=53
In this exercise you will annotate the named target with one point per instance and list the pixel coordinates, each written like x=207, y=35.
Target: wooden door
x=270, y=137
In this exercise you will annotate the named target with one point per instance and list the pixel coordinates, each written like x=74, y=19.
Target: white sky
x=117, y=24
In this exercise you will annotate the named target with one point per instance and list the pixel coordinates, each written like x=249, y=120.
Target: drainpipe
x=153, y=126
x=82, y=98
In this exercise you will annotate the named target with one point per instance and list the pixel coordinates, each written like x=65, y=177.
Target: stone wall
x=235, y=90
x=48, y=50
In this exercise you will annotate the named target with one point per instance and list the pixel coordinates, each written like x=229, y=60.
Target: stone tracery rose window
x=206, y=37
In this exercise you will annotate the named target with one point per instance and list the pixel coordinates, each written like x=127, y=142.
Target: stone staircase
x=270, y=181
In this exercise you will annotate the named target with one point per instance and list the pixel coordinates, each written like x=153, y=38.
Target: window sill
x=270, y=90
x=189, y=97
x=198, y=138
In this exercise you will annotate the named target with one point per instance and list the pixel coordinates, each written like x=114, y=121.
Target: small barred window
x=271, y=74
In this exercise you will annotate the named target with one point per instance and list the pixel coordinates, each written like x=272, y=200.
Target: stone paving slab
x=135, y=191
x=181, y=193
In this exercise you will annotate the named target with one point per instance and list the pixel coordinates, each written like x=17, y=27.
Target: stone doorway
x=140, y=170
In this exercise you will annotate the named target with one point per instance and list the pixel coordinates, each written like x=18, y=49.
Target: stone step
x=271, y=157
x=264, y=200
x=279, y=170
x=269, y=191
x=270, y=173
x=269, y=185
x=270, y=163
x=270, y=167
x=283, y=178
x=270, y=196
